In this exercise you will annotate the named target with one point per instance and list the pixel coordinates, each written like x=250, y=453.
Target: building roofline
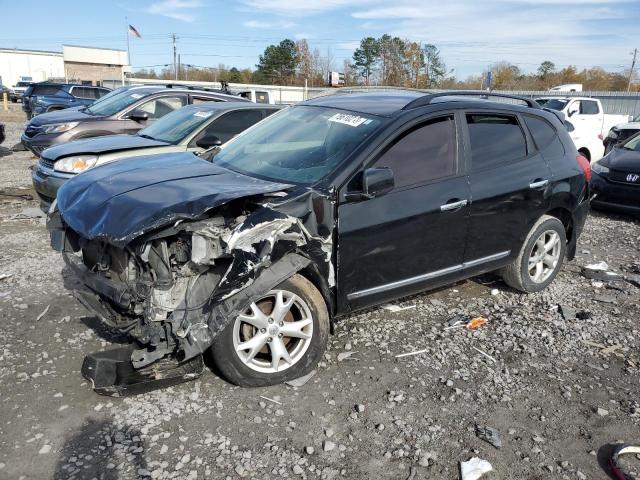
x=94, y=48
x=26, y=50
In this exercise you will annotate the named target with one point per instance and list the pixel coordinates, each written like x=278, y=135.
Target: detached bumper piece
x=111, y=373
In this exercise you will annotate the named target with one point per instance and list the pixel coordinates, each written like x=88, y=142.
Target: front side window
x=231, y=124
x=495, y=139
x=159, y=107
x=116, y=101
x=424, y=153
x=588, y=107
x=556, y=104
x=301, y=144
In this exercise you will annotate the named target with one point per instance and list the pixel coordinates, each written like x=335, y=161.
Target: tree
x=546, y=68
x=234, y=75
x=414, y=61
x=278, y=62
x=435, y=68
x=305, y=61
x=366, y=57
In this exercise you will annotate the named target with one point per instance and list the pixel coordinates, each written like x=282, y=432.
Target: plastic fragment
x=489, y=435
x=474, y=468
x=476, y=323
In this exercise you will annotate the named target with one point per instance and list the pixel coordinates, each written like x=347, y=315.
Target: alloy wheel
x=544, y=256
x=274, y=333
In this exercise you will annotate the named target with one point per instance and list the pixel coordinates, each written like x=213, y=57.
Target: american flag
x=134, y=32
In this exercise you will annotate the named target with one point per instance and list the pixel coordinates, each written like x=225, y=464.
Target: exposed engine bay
x=175, y=288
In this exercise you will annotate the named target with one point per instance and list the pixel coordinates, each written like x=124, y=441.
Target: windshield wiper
x=144, y=135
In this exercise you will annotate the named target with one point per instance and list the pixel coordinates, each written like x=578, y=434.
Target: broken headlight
x=598, y=168
x=76, y=164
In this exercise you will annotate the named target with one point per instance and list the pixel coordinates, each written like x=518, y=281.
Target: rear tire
x=540, y=257
x=294, y=317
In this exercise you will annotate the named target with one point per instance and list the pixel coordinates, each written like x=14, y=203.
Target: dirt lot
x=557, y=389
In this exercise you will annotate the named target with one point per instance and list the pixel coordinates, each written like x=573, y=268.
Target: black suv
x=49, y=97
x=125, y=110
x=333, y=205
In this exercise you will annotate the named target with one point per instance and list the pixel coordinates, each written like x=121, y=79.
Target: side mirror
x=572, y=113
x=139, y=116
x=209, y=141
x=375, y=182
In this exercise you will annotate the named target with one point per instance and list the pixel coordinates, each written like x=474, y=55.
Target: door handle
x=453, y=205
x=539, y=184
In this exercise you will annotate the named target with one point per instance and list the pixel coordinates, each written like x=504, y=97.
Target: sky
x=471, y=34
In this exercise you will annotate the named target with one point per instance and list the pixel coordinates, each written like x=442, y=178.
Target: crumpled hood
x=98, y=145
x=119, y=201
x=622, y=160
x=62, y=116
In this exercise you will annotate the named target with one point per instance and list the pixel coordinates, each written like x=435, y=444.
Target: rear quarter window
x=495, y=140
x=45, y=89
x=545, y=136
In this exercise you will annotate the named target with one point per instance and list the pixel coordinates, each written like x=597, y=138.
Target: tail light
x=600, y=137
x=585, y=165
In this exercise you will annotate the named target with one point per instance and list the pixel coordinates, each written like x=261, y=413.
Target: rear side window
x=100, y=92
x=197, y=100
x=83, y=92
x=495, y=140
x=233, y=123
x=45, y=89
x=262, y=97
x=424, y=153
x=545, y=136
x=588, y=107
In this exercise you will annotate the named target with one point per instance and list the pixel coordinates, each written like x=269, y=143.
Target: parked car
x=2, y=134
x=616, y=178
x=125, y=110
x=50, y=97
x=621, y=132
x=193, y=128
x=18, y=90
x=589, y=120
x=333, y=205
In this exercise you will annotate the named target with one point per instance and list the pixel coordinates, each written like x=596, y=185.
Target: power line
x=633, y=64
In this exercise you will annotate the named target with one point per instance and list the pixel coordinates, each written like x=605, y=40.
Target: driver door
x=413, y=236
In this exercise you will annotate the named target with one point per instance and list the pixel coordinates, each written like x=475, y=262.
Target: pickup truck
x=590, y=122
x=17, y=91
x=257, y=96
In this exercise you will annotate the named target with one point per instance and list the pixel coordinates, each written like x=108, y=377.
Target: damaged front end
x=175, y=287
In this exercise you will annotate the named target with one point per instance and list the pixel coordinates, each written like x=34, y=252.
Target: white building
x=75, y=64
x=39, y=65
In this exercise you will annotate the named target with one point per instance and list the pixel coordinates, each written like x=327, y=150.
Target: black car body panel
x=247, y=233
x=149, y=192
x=619, y=188
x=95, y=145
x=2, y=134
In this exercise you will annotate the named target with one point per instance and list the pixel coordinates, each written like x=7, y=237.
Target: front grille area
x=628, y=178
x=31, y=131
x=45, y=162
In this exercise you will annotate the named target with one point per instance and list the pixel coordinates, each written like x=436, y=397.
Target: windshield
x=556, y=104
x=114, y=102
x=633, y=144
x=298, y=145
x=175, y=126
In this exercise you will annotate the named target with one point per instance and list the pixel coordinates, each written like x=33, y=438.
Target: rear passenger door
x=413, y=236
x=509, y=182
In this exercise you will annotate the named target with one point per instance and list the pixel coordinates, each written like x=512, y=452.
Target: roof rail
x=427, y=99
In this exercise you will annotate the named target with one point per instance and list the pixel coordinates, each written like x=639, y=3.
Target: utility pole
x=175, y=64
x=633, y=65
x=179, y=65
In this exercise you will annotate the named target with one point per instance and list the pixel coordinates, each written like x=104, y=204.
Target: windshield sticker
x=136, y=95
x=203, y=114
x=351, y=120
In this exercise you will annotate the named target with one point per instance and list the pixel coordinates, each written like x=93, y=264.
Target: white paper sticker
x=136, y=95
x=203, y=114
x=351, y=120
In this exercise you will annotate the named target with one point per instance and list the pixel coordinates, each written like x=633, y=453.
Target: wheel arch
x=585, y=152
x=565, y=215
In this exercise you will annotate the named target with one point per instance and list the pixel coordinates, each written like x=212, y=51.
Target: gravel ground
x=558, y=390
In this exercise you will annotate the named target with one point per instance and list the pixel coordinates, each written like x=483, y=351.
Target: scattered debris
x=271, y=400
x=489, y=434
x=611, y=349
x=412, y=473
x=344, y=355
x=485, y=354
x=44, y=312
x=417, y=352
x=602, y=412
x=605, y=299
x=495, y=291
x=301, y=381
x=614, y=462
x=593, y=344
x=4, y=276
x=600, y=271
x=396, y=308
x=476, y=323
x=474, y=468
x=28, y=213
x=583, y=315
x=567, y=312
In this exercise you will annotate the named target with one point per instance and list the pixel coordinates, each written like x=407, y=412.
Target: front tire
x=281, y=336
x=540, y=257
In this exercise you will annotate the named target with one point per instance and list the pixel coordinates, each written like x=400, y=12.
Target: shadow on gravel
x=104, y=331
x=604, y=455
x=5, y=152
x=97, y=448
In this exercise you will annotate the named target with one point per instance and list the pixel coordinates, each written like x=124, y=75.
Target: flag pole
x=126, y=21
